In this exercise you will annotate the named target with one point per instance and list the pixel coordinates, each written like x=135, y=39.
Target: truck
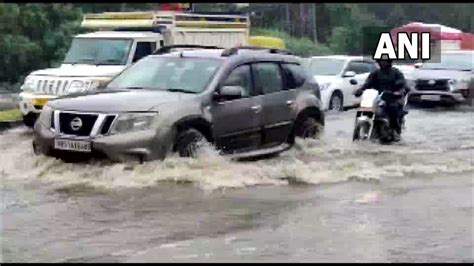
x=117, y=40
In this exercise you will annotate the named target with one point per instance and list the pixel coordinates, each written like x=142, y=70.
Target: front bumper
x=33, y=103
x=444, y=97
x=145, y=145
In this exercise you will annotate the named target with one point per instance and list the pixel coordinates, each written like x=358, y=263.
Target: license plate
x=40, y=101
x=72, y=145
x=430, y=97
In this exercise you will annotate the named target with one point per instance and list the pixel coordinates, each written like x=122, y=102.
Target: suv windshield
x=96, y=51
x=451, y=62
x=326, y=66
x=168, y=73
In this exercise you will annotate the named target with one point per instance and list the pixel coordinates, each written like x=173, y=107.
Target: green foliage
x=33, y=37
x=10, y=115
x=339, y=41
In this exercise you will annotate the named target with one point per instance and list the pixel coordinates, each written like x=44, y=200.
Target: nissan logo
x=432, y=82
x=76, y=124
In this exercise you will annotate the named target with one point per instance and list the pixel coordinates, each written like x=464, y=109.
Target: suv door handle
x=257, y=108
x=289, y=102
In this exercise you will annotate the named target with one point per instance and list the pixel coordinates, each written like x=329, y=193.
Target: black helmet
x=384, y=58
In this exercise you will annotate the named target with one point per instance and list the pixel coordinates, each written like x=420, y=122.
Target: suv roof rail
x=167, y=49
x=234, y=50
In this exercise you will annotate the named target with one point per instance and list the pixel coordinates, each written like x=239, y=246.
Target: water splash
x=332, y=159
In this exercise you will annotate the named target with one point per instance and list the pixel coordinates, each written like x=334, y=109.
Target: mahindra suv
x=245, y=101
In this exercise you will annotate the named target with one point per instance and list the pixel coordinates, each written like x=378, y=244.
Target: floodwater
x=329, y=200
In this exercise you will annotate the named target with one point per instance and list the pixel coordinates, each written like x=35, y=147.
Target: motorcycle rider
x=390, y=80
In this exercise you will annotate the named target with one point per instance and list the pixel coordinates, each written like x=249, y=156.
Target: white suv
x=338, y=76
x=93, y=60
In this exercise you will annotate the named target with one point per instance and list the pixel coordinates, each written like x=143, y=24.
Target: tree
x=34, y=36
x=397, y=17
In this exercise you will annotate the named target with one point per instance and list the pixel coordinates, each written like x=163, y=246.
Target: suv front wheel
x=189, y=141
x=307, y=127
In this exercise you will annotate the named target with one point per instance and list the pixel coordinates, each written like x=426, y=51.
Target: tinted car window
x=326, y=66
x=371, y=66
x=143, y=49
x=359, y=67
x=295, y=75
x=454, y=61
x=268, y=78
x=241, y=76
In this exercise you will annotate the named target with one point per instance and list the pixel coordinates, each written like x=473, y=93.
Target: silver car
x=245, y=101
x=447, y=81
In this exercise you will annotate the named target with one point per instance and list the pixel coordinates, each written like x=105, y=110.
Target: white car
x=338, y=77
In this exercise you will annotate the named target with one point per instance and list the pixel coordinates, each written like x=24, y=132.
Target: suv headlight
x=411, y=83
x=98, y=83
x=129, y=122
x=28, y=84
x=462, y=85
x=454, y=85
x=77, y=86
x=46, y=116
x=324, y=86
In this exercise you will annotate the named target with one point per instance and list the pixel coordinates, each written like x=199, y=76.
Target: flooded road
x=325, y=201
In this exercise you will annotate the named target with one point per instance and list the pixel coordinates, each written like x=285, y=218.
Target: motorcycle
x=371, y=122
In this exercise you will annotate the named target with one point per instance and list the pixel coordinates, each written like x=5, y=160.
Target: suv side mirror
x=349, y=74
x=353, y=82
x=230, y=92
x=417, y=65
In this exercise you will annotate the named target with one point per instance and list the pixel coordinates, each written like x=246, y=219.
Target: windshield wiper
x=135, y=88
x=435, y=68
x=439, y=68
x=82, y=60
x=109, y=62
x=180, y=90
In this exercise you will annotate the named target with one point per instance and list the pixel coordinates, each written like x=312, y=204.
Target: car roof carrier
x=167, y=49
x=234, y=50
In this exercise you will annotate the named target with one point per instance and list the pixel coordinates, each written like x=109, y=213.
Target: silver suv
x=245, y=101
x=447, y=81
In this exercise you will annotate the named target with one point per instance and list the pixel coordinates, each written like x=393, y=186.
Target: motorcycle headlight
x=324, y=86
x=46, y=116
x=128, y=122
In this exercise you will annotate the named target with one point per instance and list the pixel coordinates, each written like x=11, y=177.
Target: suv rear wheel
x=188, y=142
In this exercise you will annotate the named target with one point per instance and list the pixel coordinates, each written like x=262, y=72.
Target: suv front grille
x=52, y=86
x=77, y=124
x=439, y=85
